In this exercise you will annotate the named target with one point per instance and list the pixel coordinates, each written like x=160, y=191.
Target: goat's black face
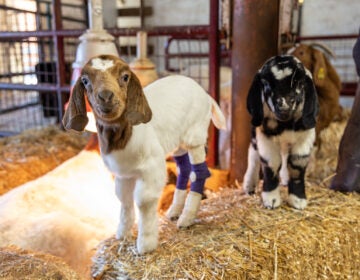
x=283, y=79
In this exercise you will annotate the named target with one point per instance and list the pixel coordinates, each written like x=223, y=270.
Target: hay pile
x=322, y=165
x=236, y=238
x=35, y=152
x=16, y=264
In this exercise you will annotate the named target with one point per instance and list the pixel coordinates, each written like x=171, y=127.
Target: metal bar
x=214, y=77
x=19, y=107
x=8, y=8
x=42, y=87
x=191, y=31
x=72, y=19
x=9, y=75
x=257, y=21
x=63, y=4
x=188, y=55
x=327, y=37
x=142, y=14
x=134, y=12
x=59, y=55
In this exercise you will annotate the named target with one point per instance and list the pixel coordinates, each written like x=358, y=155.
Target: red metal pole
x=214, y=77
x=255, y=39
x=59, y=55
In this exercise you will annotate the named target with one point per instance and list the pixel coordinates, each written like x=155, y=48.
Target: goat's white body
x=181, y=114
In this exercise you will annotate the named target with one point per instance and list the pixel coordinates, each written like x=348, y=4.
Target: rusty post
x=255, y=39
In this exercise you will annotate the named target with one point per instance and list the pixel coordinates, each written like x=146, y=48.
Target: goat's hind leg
x=124, y=188
x=198, y=175
x=181, y=158
x=251, y=177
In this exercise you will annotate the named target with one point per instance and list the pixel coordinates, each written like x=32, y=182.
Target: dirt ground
x=35, y=152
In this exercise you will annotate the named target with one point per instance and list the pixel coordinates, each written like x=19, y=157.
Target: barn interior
x=58, y=209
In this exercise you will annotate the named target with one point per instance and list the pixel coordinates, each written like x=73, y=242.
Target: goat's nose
x=282, y=104
x=106, y=95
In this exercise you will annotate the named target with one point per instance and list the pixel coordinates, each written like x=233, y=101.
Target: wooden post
x=255, y=39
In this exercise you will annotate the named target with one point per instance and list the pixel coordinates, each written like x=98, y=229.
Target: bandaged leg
x=184, y=169
x=198, y=175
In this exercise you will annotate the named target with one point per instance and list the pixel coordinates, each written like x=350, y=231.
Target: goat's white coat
x=66, y=212
x=197, y=70
x=281, y=73
x=102, y=64
x=181, y=114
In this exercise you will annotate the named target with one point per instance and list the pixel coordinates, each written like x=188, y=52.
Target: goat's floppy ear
x=311, y=105
x=137, y=107
x=319, y=68
x=75, y=117
x=254, y=101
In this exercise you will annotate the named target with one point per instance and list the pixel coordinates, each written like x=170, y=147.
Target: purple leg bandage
x=199, y=173
x=184, y=169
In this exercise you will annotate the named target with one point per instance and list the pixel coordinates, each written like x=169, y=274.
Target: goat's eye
x=85, y=81
x=125, y=77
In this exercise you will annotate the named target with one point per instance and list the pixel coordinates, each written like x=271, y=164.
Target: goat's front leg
x=297, y=163
x=124, y=188
x=270, y=158
x=147, y=192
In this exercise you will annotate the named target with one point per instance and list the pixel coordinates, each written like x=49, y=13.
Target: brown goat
x=327, y=83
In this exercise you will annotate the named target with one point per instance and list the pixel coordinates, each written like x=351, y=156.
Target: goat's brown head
x=313, y=59
x=113, y=92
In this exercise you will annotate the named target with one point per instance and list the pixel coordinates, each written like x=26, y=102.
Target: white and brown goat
x=137, y=131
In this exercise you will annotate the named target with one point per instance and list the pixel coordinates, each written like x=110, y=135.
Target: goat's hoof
x=122, y=233
x=296, y=202
x=271, y=200
x=146, y=245
x=174, y=212
x=249, y=189
x=173, y=218
x=186, y=220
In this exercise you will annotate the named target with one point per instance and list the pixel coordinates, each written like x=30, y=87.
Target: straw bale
x=34, y=152
x=236, y=238
x=21, y=264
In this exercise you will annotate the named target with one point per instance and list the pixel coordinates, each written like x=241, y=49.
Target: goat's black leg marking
x=271, y=193
x=271, y=180
x=297, y=166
